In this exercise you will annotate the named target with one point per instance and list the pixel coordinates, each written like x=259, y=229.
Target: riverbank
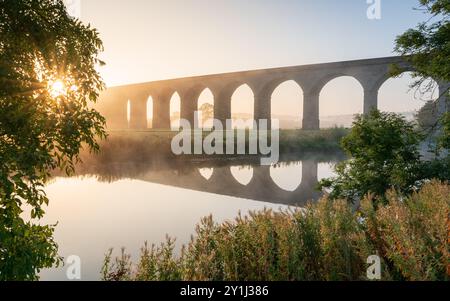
x=144, y=145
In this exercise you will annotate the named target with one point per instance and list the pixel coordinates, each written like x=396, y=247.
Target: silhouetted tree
x=48, y=78
x=427, y=47
x=207, y=110
x=383, y=155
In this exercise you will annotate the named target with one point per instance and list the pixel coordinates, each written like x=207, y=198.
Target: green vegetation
x=207, y=110
x=427, y=48
x=383, y=151
x=382, y=146
x=298, y=141
x=132, y=144
x=47, y=79
x=325, y=241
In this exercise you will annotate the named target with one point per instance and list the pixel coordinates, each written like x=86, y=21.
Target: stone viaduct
x=370, y=73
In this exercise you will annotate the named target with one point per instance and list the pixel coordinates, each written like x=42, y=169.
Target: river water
x=114, y=205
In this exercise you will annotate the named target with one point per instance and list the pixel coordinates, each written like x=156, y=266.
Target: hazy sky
x=149, y=40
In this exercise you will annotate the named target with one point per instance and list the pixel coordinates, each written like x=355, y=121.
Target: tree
x=48, y=79
x=383, y=155
x=207, y=110
x=426, y=117
x=427, y=48
x=383, y=147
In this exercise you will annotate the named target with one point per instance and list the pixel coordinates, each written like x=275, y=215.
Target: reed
x=327, y=241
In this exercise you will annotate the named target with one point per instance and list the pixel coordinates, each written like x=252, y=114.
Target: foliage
x=325, y=241
x=411, y=233
x=321, y=244
x=48, y=78
x=427, y=117
x=436, y=169
x=25, y=249
x=444, y=140
x=207, y=110
x=325, y=140
x=383, y=155
x=427, y=48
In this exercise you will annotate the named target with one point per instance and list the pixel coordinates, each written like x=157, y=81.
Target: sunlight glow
x=57, y=88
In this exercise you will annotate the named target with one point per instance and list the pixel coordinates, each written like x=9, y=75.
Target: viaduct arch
x=370, y=73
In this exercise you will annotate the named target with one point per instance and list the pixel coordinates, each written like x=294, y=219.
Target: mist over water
x=114, y=203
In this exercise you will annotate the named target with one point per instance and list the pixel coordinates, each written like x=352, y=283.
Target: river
x=114, y=205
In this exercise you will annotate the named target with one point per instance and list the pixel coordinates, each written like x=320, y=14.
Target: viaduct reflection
x=262, y=186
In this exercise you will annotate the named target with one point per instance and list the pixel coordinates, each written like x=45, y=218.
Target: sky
x=148, y=40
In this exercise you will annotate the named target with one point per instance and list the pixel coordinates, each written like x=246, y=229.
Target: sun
x=57, y=88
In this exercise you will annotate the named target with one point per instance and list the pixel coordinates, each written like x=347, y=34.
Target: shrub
x=411, y=234
x=383, y=151
x=324, y=241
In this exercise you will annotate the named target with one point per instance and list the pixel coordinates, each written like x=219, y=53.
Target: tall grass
x=324, y=140
x=123, y=145
x=324, y=241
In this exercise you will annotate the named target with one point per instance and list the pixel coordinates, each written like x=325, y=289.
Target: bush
x=325, y=241
x=383, y=150
x=411, y=234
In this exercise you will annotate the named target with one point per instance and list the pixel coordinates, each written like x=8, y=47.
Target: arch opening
x=242, y=174
x=128, y=113
x=175, y=111
x=325, y=171
x=242, y=107
x=206, y=172
x=150, y=112
x=287, y=105
x=287, y=176
x=205, y=107
x=396, y=95
x=340, y=100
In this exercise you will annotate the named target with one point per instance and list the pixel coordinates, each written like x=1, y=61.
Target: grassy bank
x=327, y=241
x=132, y=153
x=129, y=144
x=327, y=140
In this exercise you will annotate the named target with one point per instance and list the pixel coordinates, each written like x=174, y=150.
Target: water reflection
x=206, y=172
x=325, y=170
x=287, y=176
x=289, y=182
x=115, y=203
x=94, y=216
x=242, y=174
